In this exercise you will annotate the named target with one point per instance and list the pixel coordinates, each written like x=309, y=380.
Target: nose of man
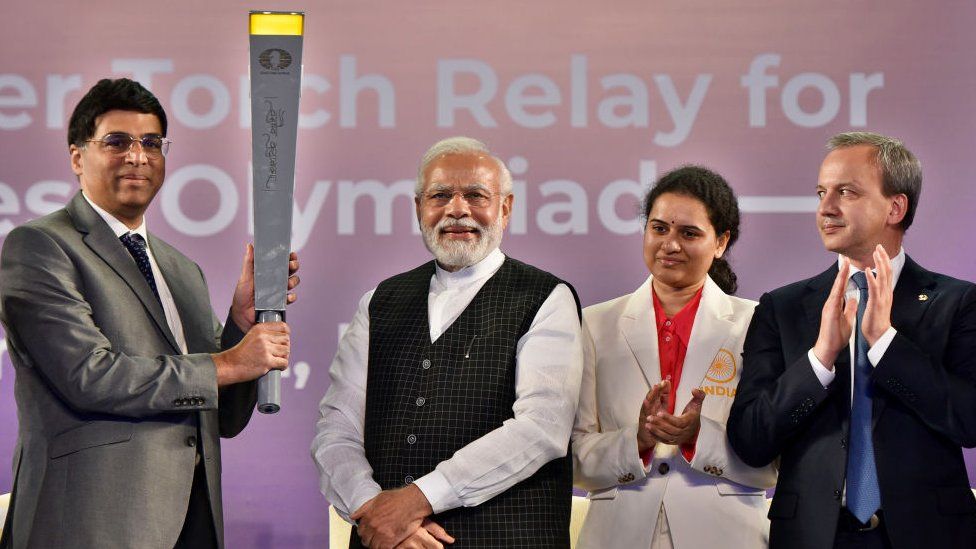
x=827, y=206
x=136, y=155
x=457, y=207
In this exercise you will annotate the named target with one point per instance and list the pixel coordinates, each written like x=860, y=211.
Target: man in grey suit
x=124, y=377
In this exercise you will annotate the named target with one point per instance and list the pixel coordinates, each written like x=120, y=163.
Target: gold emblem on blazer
x=723, y=368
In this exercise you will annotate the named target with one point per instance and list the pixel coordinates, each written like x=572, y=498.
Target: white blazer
x=714, y=501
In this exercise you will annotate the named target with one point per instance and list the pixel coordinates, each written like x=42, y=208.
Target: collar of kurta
x=482, y=269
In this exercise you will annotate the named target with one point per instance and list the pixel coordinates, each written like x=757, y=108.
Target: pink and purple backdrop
x=587, y=101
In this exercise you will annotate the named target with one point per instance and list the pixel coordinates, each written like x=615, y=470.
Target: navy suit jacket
x=924, y=413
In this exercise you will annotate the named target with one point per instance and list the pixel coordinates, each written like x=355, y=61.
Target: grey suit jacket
x=111, y=414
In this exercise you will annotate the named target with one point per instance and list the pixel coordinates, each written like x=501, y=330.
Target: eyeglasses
x=475, y=199
x=119, y=144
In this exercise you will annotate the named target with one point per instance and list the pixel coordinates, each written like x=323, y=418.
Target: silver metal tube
x=269, y=386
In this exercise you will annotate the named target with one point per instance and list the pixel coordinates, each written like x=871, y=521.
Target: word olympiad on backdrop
x=467, y=91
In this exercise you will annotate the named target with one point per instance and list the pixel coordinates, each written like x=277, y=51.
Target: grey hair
x=901, y=172
x=463, y=145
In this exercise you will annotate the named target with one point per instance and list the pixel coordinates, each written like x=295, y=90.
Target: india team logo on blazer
x=722, y=369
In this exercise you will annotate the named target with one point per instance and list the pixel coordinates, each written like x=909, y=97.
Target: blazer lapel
x=908, y=304
x=101, y=240
x=638, y=328
x=711, y=330
x=176, y=273
x=907, y=309
x=818, y=288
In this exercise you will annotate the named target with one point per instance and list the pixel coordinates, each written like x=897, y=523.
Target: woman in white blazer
x=657, y=476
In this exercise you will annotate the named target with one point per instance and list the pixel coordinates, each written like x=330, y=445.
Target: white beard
x=457, y=254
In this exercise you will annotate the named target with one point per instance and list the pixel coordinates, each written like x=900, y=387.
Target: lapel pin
x=923, y=297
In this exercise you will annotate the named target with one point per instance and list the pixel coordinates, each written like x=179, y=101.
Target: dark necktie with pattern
x=863, y=493
x=137, y=248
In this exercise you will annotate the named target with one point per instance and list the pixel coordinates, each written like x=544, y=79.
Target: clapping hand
x=671, y=429
x=655, y=401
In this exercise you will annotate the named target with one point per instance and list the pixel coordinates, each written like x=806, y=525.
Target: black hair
x=110, y=95
x=720, y=202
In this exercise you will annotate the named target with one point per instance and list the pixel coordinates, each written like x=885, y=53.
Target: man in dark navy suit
x=862, y=379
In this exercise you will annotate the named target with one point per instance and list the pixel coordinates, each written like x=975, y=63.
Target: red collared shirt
x=672, y=343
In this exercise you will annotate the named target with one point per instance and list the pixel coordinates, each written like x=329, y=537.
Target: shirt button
x=421, y=401
x=191, y=441
x=667, y=338
x=408, y=479
x=667, y=322
x=425, y=364
x=663, y=468
x=411, y=439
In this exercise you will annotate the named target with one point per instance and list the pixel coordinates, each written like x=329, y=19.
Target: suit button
x=663, y=468
x=421, y=401
x=425, y=364
x=843, y=442
x=191, y=441
x=837, y=494
x=411, y=439
x=408, y=479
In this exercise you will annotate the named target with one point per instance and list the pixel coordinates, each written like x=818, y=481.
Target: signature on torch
x=273, y=119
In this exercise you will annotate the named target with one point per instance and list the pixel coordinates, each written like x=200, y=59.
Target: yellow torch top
x=277, y=23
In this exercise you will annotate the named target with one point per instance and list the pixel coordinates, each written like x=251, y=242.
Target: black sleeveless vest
x=426, y=400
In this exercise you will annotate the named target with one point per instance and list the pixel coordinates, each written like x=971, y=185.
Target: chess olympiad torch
x=276, y=79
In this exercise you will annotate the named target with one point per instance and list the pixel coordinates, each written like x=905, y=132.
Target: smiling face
x=121, y=185
x=461, y=210
x=854, y=215
x=680, y=242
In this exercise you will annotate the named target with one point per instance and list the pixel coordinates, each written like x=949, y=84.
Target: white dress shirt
x=165, y=296
x=549, y=364
x=826, y=376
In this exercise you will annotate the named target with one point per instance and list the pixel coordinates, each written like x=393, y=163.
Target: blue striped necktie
x=863, y=493
x=137, y=248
